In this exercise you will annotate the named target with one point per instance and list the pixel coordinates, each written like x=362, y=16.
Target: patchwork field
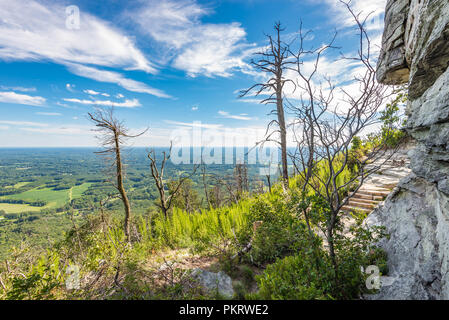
x=20, y=184
x=18, y=208
x=53, y=198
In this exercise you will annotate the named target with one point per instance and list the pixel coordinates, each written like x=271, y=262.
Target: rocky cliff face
x=415, y=49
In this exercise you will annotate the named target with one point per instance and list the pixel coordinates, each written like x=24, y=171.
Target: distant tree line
x=19, y=201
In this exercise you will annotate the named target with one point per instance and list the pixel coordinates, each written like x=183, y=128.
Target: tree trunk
x=121, y=187
x=269, y=182
x=330, y=240
x=280, y=111
x=283, y=133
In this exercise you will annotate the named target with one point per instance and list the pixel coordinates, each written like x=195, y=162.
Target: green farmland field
x=53, y=198
x=18, y=208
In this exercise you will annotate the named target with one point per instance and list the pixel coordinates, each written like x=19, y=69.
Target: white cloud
x=50, y=114
x=197, y=48
x=117, y=78
x=12, y=97
x=342, y=18
x=227, y=115
x=94, y=93
x=70, y=87
x=253, y=101
x=195, y=108
x=4, y=127
x=23, y=123
x=21, y=89
x=61, y=130
x=217, y=51
x=126, y=104
x=32, y=31
x=91, y=92
x=119, y=96
x=194, y=124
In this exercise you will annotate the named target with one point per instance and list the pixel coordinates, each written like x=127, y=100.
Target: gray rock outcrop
x=415, y=49
x=214, y=283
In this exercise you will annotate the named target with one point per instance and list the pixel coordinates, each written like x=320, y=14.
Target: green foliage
x=281, y=232
x=309, y=274
x=39, y=283
x=391, y=132
x=291, y=278
x=187, y=197
x=293, y=257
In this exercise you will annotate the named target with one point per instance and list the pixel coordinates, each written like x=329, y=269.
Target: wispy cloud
x=195, y=47
x=23, y=123
x=40, y=127
x=225, y=114
x=21, y=89
x=34, y=31
x=342, y=18
x=61, y=130
x=194, y=124
x=125, y=104
x=94, y=93
x=18, y=98
x=253, y=101
x=91, y=92
x=117, y=78
x=50, y=114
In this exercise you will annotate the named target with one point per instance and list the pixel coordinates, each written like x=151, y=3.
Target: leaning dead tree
x=328, y=117
x=113, y=133
x=273, y=62
x=165, y=200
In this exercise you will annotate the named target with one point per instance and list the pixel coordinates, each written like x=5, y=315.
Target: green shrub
x=280, y=234
x=291, y=278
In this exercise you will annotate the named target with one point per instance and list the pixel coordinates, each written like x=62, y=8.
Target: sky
x=169, y=65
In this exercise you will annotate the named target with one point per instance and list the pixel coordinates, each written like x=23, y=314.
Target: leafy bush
x=291, y=278
x=281, y=232
x=310, y=274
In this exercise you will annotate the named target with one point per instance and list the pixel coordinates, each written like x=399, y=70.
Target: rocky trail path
x=380, y=184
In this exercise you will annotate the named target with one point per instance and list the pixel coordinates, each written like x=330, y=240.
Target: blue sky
x=163, y=64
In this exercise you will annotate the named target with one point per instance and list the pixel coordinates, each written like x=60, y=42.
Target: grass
x=53, y=198
x=21, y=184
x=184, y=230
x=18, y=208
x=78, y=191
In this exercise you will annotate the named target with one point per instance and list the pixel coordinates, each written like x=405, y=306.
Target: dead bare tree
x=166, y=201
x=228, y=183
x=327, y=120
x=274, y=61
x=204, y=179
x=113, y=133
x=241, y=178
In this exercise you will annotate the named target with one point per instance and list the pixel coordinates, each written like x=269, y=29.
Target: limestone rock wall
x=415, y=49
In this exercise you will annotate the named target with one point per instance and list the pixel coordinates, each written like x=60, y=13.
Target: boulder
x=213, y=282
